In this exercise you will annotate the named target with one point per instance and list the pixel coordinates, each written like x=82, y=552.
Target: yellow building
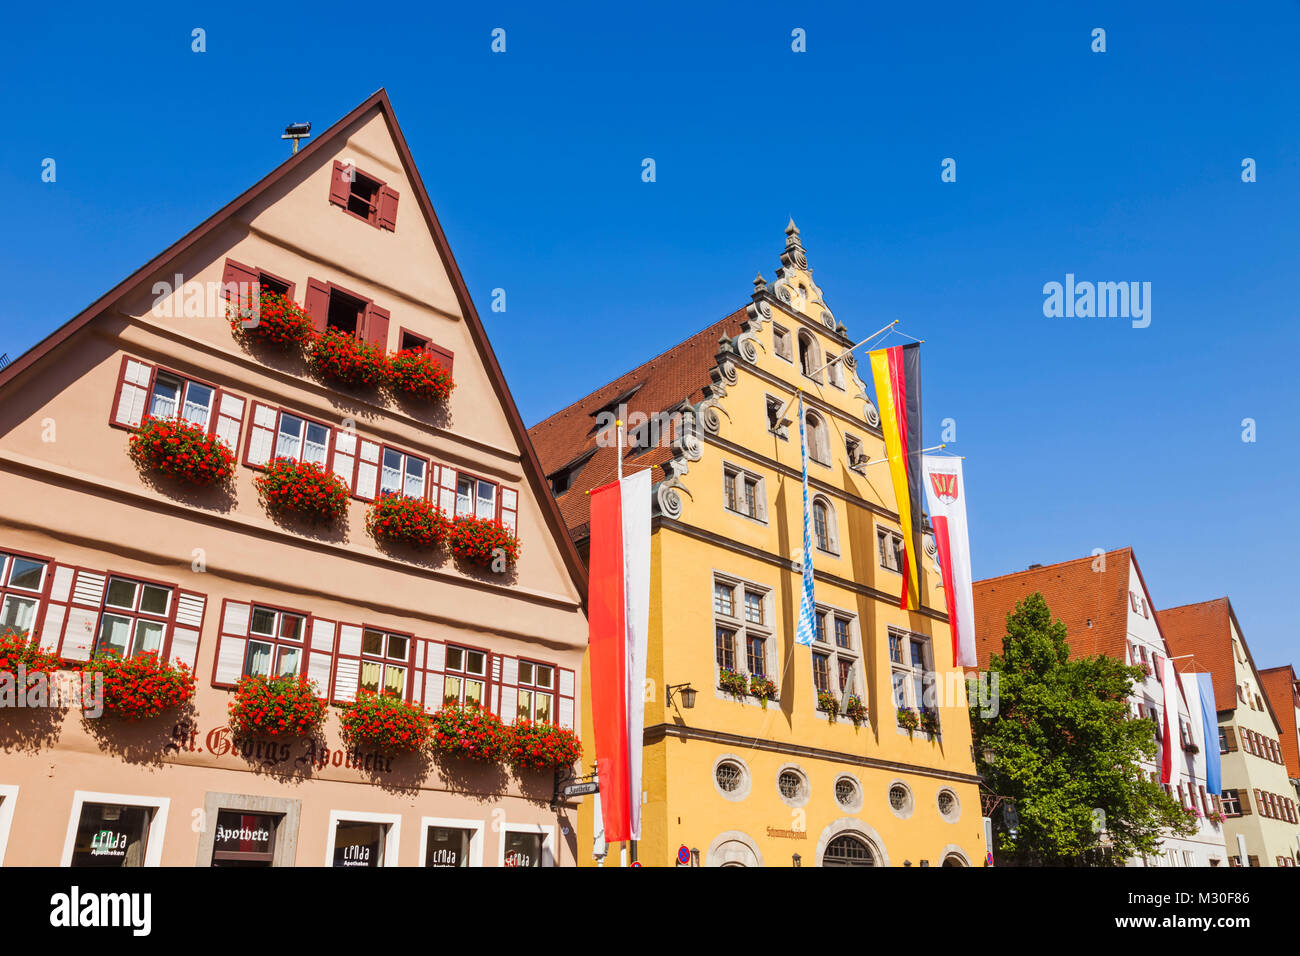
x=778, y=782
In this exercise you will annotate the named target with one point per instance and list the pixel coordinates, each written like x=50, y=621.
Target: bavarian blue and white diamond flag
x=807, y=612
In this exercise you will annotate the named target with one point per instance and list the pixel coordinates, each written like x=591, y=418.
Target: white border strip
x=157, y=826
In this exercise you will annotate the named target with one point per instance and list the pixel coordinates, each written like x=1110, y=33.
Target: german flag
x=897, y=374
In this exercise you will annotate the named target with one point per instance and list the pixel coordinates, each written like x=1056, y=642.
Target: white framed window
x=8, y=798
x=476, y=497
x=826, y=531
x=275, y=642
x=889, y=548
x=536, y=692
x=401, y=473
x=358, y=838
x=744, y=493
x=526, y=844
x=451, y=841
x=911, y=661
x=835, y=653
x=174, y=397
x=115, y=830
x=22, y=582
x=134, y=619
x=385, y=660
x=742, y=632
x=465, y=681
x=302, y=439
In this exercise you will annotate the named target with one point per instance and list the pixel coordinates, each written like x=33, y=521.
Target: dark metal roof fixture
x=295, y=132
x=4, y=359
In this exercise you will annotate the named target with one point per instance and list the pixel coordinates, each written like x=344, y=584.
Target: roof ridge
x=635, y=369
x=1179, y=607
x=1048, y=567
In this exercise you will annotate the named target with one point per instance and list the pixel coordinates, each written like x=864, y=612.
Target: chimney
x=1034, y=567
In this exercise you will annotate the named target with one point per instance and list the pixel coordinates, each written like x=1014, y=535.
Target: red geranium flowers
x=303, y=487
x=137, y=688
x=386, y=723
x=483, y=541
x=540, y=746
x=279, y=707
x=182, y=450
x=345, y=359
x=398, y=519
x=469, y=732
x=417, y=373
x=277, y=320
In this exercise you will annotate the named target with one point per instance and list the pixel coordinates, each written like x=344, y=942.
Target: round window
x=900, y=799
x=847, y=794
x=949, y=807
x=729, y=776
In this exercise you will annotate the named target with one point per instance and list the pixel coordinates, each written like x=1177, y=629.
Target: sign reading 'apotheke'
x=272, y=753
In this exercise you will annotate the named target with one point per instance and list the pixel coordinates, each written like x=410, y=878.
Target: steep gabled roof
x=661, y=384
x=1203, y=629
x=1093, y=605
x=1283, y=692
x=379, y=99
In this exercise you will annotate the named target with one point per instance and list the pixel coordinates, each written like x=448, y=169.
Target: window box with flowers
x=140, y=687
x=281, y=707
x=182, y=450
x=345, y=360
x=468, y=732
x=762, y=687
x=856, y=710
x=399, y=519
x=18, y=650
x=1192, y=748
x=416, y=373
x=733, y=683
x=538, y=745
x=929, y=721
x=909, y=719
x=277, y=320
x=828, y=702
x=1146, y=669
x=1219, y=816
x=303, y=488
x=483, y=542
x=385, y=723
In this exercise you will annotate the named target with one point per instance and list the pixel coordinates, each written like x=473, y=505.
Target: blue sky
x=1116, y=166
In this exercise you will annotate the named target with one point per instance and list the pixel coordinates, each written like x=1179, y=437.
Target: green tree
x=1063, y=743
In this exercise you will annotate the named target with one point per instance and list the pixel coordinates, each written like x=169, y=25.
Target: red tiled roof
x=1283, y=691
x=1203, y=629
x=662, y=383
x=1093, y=605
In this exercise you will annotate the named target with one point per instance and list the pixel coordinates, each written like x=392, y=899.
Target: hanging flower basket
x=1146, y=669
x=137, y=688
x=182, y=450
x=930, y=721
x=763, y=688
x=278, y=320
x=385, y=723
x=908, y=719
x=346, y=360
x=733, y=682
x=830, y=703
x=398, y=519
x=304, y=488
x=279, y=708
x=468, y=732
x=540, y=746
x=18, y=650
x=856, y=710
x=416, y=373
x=1220, y=816
x=482, y=541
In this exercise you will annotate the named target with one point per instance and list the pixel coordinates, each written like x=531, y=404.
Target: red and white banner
x=945, y=492
x=1169, y=684
x=618, y=616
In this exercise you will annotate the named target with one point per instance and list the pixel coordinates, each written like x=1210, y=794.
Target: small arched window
x=810, y=356
x=823, y=514
x=819, y=449
x=848, y=850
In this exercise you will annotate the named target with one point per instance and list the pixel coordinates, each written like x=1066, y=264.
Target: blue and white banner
x=1210, y=721
x=807, y=628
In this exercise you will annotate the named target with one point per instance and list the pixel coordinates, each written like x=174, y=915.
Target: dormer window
x=363, y=196
x=345, y=312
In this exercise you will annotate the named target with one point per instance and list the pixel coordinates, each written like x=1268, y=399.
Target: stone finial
x=791, y=229
x=759, y=283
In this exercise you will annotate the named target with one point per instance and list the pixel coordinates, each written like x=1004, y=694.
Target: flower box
x=468, y=732
x=18, y=650
x=829, y=703
x=385, y=723
x=733, y=682
x=280, y=707
x=485, y=542
x=930, y=721
x=181, y=450
x=763, y=688
x=908, y=719
x=140, y=687
x=1146, y=669
x=346, y=360
x=856, y=710
x=398, y=519
x=416, y=373
x=533, y=745
x=277, y=320
x=304, y=488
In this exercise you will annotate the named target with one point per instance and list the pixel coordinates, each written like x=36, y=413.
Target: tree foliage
x=1063, y=743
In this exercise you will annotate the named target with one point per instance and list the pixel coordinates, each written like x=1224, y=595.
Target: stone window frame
x=805, y=794
x=760, y=492
x=741, y=628
x=832, y=526
x=834, y=652
x=286, y=831
x=905, y=813
x=780, y=334
x=852, y=826
x=157, y=822
x=392, y=835
x=455, y=823
x=855, y=805
x=900, y=554
x=905, y=668
x=956, y=814
x=545, y=830
x=781, y=431
x=746, y=778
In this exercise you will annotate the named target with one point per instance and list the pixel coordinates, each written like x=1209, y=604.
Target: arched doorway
x=848, y=850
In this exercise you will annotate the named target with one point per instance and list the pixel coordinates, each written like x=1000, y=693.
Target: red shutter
x=340, y=184
x=240, y=279
x=317, y=303
x=387, y=208
x=131, y=399
x=444, y=356
x=376, y=327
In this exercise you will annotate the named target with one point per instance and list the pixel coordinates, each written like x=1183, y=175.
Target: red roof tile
x=663, y=383
x=1283, y=691
x=1203, y=629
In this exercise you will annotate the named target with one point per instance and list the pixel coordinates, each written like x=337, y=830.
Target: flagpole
x=855, y=348
x=631, y=844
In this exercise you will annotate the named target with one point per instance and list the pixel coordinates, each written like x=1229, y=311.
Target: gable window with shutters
x=134, y=620
x=476, y=497
x=408, y=340
x=22, y=584
x=244, y=282
x=466, y=676
x=275, y=642
x=385, y=662
x=363, y=196
x=401, y=473
x=333, y=307
x=536, y=692
x=302, y=439
x=144, y=389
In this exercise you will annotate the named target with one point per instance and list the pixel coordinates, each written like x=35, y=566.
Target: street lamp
x=688, y=694
x=797, y=860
